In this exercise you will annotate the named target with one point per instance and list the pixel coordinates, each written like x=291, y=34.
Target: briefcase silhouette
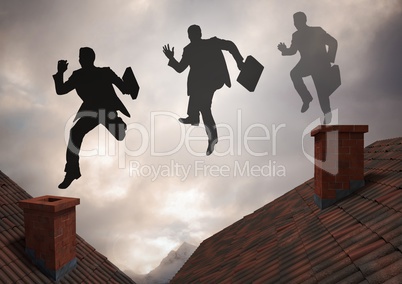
x=250, y=73
x=333, y=79
x=131, y=83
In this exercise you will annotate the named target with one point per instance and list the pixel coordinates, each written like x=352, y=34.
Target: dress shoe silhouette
x=211, y=146
x=305, y=106
x=68, y=179
x=189, y=120
x=327, y=118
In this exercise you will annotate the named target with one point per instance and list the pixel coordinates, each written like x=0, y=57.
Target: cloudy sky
x=143, y=197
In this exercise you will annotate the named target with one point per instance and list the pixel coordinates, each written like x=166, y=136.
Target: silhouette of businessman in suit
x=208, y=73
x=315, y=60
x=94, y=86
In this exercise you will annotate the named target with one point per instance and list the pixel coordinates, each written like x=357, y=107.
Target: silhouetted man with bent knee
x=315, y=60
x=94, y=86
x=208, y=73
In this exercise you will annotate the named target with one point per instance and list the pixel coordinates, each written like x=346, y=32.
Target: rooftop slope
x=290, y=240
x=15, y=267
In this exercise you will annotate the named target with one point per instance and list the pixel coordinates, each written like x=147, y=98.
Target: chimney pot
x=339, y=162
x=50, y=233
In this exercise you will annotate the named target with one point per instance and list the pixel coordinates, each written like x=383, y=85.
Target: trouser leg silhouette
x=297, y=74
x=320, y=82
x=209, y=122
x=201, y=102
x=319, y=76
x=77, y=133
x=112, y=122
x=193, y=109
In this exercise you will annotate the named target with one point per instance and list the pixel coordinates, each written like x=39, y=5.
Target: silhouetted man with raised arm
x=315, y=60
x=208, y=73
x=94, y=86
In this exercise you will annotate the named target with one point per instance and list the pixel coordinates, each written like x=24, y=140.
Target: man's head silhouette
x=194, y=33
x=87, y=57
x=300, y=20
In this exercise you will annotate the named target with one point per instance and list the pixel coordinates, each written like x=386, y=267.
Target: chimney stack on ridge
x=339, y=162
x=50, y=233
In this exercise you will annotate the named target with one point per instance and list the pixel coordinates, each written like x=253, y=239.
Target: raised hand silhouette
x=169, y=53
x=62, y=66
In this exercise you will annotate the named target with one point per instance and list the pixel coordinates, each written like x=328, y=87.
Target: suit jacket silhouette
x=95, y=87
x=207, y=64
x=311, y=43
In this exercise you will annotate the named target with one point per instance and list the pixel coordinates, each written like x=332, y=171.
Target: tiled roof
x=15, y=267
x=290, y=240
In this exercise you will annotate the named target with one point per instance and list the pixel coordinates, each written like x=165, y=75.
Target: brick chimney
x=339, y=162
x=50, y=233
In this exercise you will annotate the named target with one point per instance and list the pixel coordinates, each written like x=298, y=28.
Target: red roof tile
x=15, y=267
x=290, y=240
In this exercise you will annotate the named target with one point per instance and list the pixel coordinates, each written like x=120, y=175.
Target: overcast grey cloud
x=133, y=216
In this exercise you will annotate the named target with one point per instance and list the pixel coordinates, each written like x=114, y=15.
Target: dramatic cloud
x=142, y=197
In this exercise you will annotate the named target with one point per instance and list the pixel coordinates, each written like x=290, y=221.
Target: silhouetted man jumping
x=208, y=73
x=94, y=86
x=315, y=60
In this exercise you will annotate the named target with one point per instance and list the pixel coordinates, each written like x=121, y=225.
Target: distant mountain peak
x=168, y=267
